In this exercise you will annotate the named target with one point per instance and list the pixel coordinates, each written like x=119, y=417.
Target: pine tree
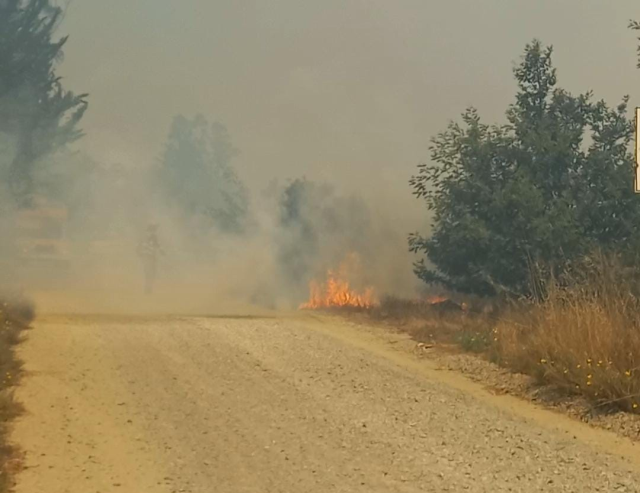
x=635, y=26
x=37, y=115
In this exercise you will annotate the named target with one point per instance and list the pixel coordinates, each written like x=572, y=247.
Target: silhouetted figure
x=149, y=249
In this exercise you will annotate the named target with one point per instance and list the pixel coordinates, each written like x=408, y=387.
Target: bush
x=15, y=315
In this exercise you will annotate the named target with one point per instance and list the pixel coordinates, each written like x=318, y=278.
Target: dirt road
x=288, y=404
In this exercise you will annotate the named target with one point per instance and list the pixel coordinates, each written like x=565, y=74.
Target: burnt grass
x=16, y=314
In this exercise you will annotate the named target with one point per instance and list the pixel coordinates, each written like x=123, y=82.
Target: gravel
x=283, y=404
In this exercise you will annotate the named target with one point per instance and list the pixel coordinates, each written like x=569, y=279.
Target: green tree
x=543, y=190
x=635, y=26
x=197, y=175
x=37, y=115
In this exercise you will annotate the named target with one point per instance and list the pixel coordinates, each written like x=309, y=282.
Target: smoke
x=319, y=226
x=229, y=235
x=292, y=234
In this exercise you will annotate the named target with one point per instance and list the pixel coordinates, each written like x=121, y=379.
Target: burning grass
x=336, y=291
x=15, y=315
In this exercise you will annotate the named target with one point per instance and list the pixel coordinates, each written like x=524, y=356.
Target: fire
x=337, y=292
x=434, y=300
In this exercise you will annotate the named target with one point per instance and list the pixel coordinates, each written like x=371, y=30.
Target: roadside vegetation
x=582, y=338
x=16, y=314
x=540, y=192
x=39, y=118
x=535, y=227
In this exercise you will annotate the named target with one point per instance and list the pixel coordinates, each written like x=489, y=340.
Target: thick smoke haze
x=343, y=92
x=348, y=91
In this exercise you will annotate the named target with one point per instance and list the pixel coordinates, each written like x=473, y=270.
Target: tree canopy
x=37, y=115
x=635, y=25
x=196, y=173
x=544, y=189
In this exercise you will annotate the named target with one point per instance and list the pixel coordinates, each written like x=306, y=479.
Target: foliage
x=37, y=115
x=635, y=25
x=538, y=192
x=16, y=313
x=196, y=174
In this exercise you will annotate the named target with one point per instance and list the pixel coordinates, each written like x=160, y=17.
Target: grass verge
x=582, y=340
x=15, y=316
x=443, y=324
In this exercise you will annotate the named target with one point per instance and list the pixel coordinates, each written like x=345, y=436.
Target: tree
x=635, y=26
x=37, y=114
x=196, y=174
x=543, y=190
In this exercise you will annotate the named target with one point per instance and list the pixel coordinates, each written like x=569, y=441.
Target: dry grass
x=583, y=337
x=15, y=316
x=436, y=324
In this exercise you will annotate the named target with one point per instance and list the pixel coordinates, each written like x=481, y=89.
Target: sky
x=347, y=91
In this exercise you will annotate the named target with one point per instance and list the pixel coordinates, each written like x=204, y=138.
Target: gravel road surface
x=292, y=404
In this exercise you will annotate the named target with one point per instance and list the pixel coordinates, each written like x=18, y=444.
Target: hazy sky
x=343, y=90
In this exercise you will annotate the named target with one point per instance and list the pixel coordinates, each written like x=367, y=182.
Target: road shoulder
x=403, y=351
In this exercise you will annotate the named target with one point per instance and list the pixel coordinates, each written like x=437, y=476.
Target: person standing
x=149, y=250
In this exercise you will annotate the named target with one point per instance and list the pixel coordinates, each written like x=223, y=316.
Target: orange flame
x=434, y=300
x=336, y=291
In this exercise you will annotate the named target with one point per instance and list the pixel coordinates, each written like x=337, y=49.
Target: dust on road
x=287, y=404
